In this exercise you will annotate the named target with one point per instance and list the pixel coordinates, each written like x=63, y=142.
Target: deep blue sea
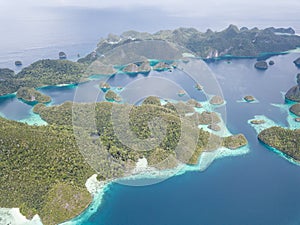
x=259, y=188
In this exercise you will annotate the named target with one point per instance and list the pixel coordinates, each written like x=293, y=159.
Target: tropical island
x=41, y=73
x=31, y=95
x=166, y=46
x=284, y=139
x=232, y=41
x=294, y=93
x=47, y=161
x=42, y=169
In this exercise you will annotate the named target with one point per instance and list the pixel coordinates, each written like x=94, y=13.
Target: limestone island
x=32, y=96
x=43, y=170
x=131, y=68
x=134, y=68
x=198, y=87
x=295, y=109
x=297, y=62
x=261, y=65
x=162, y=66
x=144, y=67
x=112, y=96
x=181, y=93
x=207, y=45
x=257, y=122
x=62, y=55
x=294, y=93
x=249, y=98
x=44, y=72
x=287, y=140
x=18, y=63
x=216, y=100
x=104, y=86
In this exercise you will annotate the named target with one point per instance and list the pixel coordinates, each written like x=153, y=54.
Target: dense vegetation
x=37, y=163
x=152, y=100
x=112, y=96
x=32, y=95
x=139, y=119
x=51, y=72
x=43, y=171
x=234, y=142
x=285, y=140
x=41, y=73
x=231, y=41
x=8, y=82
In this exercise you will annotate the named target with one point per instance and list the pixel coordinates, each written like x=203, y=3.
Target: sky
x=32, y=24
x=234, y=9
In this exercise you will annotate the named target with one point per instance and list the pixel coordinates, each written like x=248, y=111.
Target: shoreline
x=207, y=60
x=292, y=124
x=98, y=191
x=13, y=216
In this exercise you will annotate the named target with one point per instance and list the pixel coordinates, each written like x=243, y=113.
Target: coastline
x=14, y=217
x=143, y=171
x=292, y=124
x=98, y=189
x=143, y=174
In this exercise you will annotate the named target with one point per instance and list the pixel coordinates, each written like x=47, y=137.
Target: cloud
x=186, y=7
x=235, y=10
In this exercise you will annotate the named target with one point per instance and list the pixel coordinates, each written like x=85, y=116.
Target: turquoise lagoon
x=254, y=188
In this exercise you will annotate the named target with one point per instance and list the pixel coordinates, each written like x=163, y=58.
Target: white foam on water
x=292, y=124
x=14, y=217
x=34, y=119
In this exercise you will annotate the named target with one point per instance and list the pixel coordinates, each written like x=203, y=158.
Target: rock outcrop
x=131, y=68
x=295, y=109
x=294, y=93
x=18, y=63
x=216, y=100
x=256, y=122
x=145, y=67
x=62, y=55
x=249, y=98
x=104, y=86
x=162, y=66
x=261, y=65
x=112, y=96
x=297, y=62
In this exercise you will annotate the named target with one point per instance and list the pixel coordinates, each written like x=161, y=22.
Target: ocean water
x=42, y=32
x=259, y=188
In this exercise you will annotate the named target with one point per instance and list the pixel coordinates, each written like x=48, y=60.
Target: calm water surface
x=257, y=188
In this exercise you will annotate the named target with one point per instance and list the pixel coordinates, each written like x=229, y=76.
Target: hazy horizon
x=40, y=27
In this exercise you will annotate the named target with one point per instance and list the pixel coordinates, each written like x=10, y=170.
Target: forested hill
x=232, y=41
